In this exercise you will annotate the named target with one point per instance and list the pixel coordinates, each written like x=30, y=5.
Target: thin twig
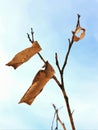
x=57, y=62
x=29, y=37
x=32, y=40
x=65, y=62
x=32, y=34
x=53, y=121
x=58, y=118
x=70, y=44
x=78, y=22
x=56, y=80
x=41, y=57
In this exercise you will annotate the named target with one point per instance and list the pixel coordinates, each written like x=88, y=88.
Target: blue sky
x=52, y=22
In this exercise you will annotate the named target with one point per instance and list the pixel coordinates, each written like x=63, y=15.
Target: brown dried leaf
x=40, y=80
x=24, y=55
x=78, y=29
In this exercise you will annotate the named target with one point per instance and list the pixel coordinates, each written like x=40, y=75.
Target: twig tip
x=78, y=15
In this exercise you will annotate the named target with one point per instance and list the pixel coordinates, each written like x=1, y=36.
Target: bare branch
x=41, y=57
x=32, y=40
x=57, y=81
x=29, y=37
x=57, y=62
x=62, y=71
x=58, y=119
x=53, y=121
x=63, y=125
x=68, y=109
x=65, y=62
x=32, y=34
x=71, y=43
x=78, y=21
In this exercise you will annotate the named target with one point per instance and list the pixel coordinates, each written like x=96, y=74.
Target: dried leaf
x=78, y=29
x=40, y=80
x=24, y=55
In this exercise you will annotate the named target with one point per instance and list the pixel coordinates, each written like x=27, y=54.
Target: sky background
x=52, y=22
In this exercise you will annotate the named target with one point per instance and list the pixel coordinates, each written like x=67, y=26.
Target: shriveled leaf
x=40, y=80
x=24, y=55
x=77, y=31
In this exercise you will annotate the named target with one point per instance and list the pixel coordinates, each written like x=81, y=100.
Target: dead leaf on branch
x=40, y=80
x=24, y=55
x=77, y=31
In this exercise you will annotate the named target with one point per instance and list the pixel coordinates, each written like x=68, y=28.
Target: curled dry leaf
x=24, y=55
x=40, y=80
x=77, y=31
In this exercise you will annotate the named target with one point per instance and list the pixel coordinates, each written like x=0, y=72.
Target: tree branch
x=61, y=71
x=41, y=57
x=29, y=37
x=57, y=119
x=57, y=62
x=57, y=81
x=78, y=21
x=71, y=43
x=65, y=62
x=32, y=34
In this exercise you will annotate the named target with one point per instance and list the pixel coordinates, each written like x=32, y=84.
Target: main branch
x=61, y=71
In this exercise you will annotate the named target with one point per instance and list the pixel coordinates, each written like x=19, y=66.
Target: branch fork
x=61, y=70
